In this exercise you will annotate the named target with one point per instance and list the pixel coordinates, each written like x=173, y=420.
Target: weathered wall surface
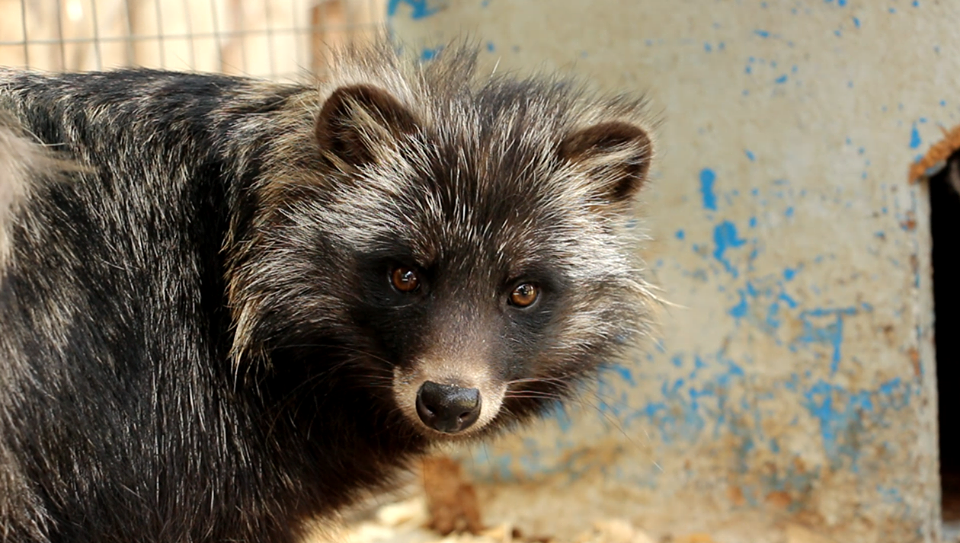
x=795, y=385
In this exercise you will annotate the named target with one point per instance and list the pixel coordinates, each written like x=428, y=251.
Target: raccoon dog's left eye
x=404, y=279
x=524, y=295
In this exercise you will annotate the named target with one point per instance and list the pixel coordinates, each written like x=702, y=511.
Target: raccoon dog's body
x=249, y=301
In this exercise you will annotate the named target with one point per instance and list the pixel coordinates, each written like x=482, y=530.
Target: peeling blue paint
x=915, y=140
x=623, y=372
x=845, y=415
x=789, y=301
x=429, y=54
x=749, y=153
x=815, y=331
x=707, y=180
x=725, y=238
x=421, y=8
x=856, y=22
x=766, y=304
x=680, y=234
x=762, y=33
x=781, y=80
x=740, y=310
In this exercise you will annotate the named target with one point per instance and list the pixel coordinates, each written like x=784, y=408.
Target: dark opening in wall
x=945, y=227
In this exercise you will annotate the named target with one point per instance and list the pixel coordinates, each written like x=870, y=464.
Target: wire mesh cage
x=277, y=39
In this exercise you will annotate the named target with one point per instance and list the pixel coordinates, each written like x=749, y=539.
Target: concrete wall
x=795, y=387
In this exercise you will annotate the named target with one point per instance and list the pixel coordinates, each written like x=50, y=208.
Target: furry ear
x=356, y=119
x=615, y=154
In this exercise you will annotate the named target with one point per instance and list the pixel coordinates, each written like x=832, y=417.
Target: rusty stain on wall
x=796, y=381
x=936, y=157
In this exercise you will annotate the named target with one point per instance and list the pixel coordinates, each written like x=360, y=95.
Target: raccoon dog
x=248, y=302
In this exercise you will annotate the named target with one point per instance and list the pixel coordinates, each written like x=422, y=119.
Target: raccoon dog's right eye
x=524, y=295
x=404, y=279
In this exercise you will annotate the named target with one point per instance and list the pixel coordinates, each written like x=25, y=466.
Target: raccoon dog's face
x=464, y=260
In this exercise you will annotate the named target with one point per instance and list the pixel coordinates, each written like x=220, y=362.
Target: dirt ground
x=442, y=507
x=408, y=521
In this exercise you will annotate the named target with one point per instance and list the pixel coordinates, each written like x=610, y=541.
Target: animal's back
x=113, y=319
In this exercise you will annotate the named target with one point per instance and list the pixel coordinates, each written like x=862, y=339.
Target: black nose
x=447, y=408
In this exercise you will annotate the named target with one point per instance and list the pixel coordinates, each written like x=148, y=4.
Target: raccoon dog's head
x=455, y=246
